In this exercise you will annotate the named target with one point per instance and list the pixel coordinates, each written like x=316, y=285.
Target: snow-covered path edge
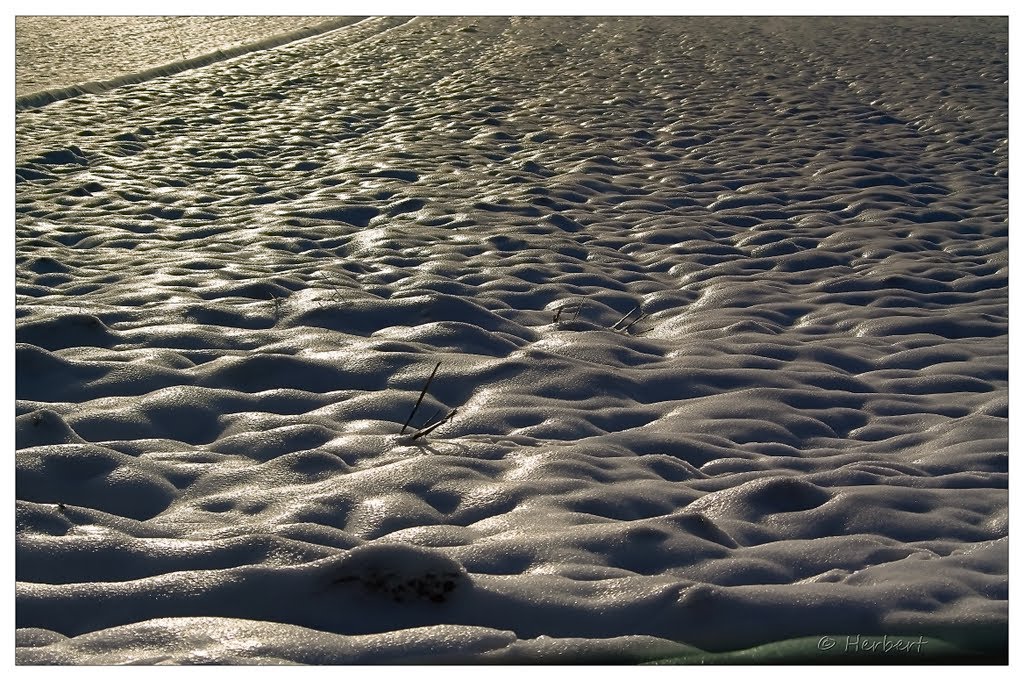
x=34, y=100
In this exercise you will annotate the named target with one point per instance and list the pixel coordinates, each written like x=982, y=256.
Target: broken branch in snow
x=579, y=308
x=625, y=317
x=427, y=430
x=422, y=393
x=562, y=308
x=430, y=420
x=642, y=315
x=337, y=292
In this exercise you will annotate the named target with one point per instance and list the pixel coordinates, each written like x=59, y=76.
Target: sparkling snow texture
x=721, y=304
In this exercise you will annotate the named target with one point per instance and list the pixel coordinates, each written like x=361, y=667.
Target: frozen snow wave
x=727, y=353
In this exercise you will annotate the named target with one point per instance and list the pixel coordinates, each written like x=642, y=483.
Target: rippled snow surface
x=721, y=304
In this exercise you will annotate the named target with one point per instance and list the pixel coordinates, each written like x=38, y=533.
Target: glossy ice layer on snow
x=54, y=51
x=721, y=305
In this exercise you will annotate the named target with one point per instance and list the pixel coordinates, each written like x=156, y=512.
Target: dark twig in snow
x=337, y=292
x=626, y=316
x=561, y=308
x=425, y=431
x=422, y=393
x=431, y=419
x=642, y=315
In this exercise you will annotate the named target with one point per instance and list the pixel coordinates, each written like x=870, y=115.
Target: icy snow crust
x=233, y=283
x=60, y=57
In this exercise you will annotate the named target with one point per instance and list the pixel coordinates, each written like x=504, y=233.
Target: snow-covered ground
x=720, y=307
x=59, y=51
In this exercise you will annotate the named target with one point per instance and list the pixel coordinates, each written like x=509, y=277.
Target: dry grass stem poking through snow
x=420, y=399
x=429, y=429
